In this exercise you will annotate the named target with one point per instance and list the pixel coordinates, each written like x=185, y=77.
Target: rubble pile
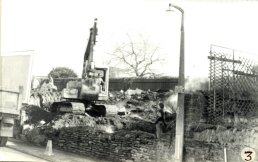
x=138, y=94
x=100, y=123
x=50, y=97
x=138, y=109
x=70, y=120
x=143, y=104
x=36, y=114
x=141, y=108
x=44, y=98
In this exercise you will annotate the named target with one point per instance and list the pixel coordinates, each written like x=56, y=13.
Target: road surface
x=7, y=154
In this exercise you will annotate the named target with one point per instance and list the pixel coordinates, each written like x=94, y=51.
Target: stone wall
x=233, y=139
x=194, y=111
x=203, y=150
x=194, y=107
x=138, y=146
x=119, y=146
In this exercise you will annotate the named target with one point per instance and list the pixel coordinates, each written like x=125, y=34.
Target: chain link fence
x=233, y=84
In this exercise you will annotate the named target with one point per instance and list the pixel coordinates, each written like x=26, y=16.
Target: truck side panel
x=9, y=101
x=16, y=73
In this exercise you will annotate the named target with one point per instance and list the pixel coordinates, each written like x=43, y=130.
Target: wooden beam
x=224, y=59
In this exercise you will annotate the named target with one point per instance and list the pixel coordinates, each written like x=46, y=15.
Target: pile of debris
x=38, y=117
x=44, y=98
x=138, y=94
x=107, y=124
x=132, y=105
x=44, y=94
x=36, y=114
x=143, y=104
x=132, y=110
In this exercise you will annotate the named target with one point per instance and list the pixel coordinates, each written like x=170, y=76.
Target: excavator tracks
x=78, y=108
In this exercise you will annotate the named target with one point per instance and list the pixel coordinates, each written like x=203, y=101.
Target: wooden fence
x=143, y=84
x=132, y=83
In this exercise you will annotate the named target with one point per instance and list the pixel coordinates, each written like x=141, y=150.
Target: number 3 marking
x=248, y=154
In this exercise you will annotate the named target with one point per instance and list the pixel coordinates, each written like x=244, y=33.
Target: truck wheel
x=3, y=141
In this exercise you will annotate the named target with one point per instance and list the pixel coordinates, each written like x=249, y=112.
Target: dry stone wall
x=119, y=146
x=194, y=108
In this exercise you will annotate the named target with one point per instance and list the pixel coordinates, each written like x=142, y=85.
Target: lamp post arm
x=182, y=17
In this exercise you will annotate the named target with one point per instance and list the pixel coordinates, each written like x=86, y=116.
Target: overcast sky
x=57, y=30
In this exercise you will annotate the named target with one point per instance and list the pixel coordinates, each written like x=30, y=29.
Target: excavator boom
x=88, y=56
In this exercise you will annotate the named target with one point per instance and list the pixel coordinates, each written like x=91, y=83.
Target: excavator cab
x=92, y=88
x=98, y=88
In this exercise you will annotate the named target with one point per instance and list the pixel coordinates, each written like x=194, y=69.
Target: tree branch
x=137, y=57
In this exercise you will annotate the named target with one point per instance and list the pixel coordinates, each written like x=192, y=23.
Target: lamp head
x=170, y=8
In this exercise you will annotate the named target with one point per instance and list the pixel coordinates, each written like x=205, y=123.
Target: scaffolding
x=233, y=83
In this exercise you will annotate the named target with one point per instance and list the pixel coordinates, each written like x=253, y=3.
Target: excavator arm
x=88, y=63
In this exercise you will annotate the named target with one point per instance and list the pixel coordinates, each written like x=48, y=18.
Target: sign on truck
x=15, y=73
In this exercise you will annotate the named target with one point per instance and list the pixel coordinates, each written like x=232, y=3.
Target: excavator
x=82, y=96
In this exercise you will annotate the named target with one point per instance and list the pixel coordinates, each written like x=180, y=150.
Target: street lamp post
x=179, y=143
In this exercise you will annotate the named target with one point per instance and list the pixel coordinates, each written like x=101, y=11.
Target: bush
x=62, y=72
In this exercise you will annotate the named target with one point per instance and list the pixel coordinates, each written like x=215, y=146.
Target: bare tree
x=138, y=58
